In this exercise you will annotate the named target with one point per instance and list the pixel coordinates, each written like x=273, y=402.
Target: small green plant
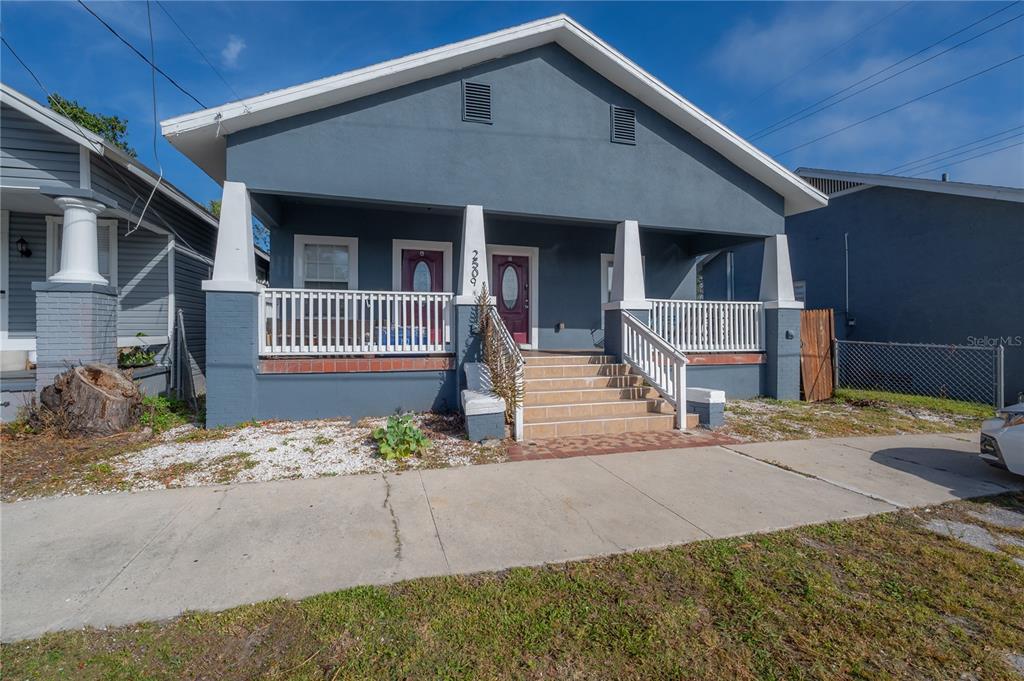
x=138, y=356
x=322, y=441
x=162, y=413
x=400, y=438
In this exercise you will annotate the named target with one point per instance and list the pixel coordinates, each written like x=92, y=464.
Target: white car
x=1002, y=439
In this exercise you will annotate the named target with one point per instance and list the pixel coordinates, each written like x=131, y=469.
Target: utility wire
x=900, y=106
x=201, y=53
x=910, y=164
x=156, y=122
x=782, y=124
x=826, y=54
x=113, y=166
x=142, y=56
x=964, y=160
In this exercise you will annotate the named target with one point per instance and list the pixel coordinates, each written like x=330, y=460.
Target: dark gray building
x=903, y=259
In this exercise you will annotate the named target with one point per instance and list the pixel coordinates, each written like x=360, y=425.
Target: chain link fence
x=956, y=372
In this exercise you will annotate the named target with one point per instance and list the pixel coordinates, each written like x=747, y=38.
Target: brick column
x=76, y=323
x=232, y=316
x=781, y=321
x=232, y=357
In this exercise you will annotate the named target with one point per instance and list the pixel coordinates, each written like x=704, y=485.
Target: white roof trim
x=200, y=135
x=981, y=191
x=96, y=144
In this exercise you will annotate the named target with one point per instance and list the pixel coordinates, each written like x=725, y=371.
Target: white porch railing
x=662, y=365
x=512, y=357
x=314, y=322
x=709, y=325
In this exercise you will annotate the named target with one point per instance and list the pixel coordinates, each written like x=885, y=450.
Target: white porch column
x=79, y=254
x=776, y=276
x=473, y=272
x=628, y=291
x=234, y=267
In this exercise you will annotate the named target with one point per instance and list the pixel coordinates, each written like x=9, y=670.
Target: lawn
x=850, y=413
x=880, y=597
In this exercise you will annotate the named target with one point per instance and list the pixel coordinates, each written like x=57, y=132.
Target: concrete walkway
x=122, y=558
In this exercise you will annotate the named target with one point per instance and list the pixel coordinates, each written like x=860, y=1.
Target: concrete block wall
x=782, y=346
x=75, y=324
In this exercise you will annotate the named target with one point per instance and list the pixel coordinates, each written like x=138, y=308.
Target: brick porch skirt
x=345, y=365
x=586, y=445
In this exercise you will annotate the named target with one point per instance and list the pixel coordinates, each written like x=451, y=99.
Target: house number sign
x=474, y=270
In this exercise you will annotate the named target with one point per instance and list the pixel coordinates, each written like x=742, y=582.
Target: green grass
x=972, y=410
x=878, y=598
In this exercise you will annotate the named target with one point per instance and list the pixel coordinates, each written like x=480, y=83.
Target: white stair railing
x=656, y=360
x=300, y=322
x=709, y=325
x=512, y=358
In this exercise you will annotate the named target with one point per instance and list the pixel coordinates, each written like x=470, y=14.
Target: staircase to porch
x=588, y=394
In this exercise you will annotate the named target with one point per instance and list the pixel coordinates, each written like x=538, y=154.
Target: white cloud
x=229, y=55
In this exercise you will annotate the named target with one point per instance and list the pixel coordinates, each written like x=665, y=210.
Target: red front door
x=422, y=271
x=511, y=286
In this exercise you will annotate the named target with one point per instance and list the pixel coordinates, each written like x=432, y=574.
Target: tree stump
x=95, y=399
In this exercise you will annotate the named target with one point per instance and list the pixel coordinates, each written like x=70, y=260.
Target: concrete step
x=548, y=412
x=581, y=395
x=549, y=360
x=597, y=426
x=575, y=370
x=581, y=383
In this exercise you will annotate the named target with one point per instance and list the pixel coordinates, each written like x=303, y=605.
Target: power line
x=201, y=53
x=113, y=166
x=905, y=167
x=900, y=106
x=964, y=160
x=156, y=124
x=778, y=125
x=825, y=54
x=142, y=56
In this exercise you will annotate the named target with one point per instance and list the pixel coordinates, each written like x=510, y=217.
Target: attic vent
x=476, y=102
x=623, y=125
x=830, y=187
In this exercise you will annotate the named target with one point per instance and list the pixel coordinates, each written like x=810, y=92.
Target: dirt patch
x=42, y=464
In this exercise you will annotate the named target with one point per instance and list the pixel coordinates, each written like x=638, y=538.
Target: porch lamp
x=23, y=249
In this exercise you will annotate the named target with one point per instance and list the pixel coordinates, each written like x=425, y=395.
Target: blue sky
x=720, y=56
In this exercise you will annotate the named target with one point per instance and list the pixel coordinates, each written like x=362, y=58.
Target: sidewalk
x=122, y=558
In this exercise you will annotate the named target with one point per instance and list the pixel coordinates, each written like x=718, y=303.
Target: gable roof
x=96, y=144
x=201, y=135
x=836, y=183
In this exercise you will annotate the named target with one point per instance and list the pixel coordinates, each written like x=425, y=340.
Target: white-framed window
x=326, y=262
x=106, y=246
x=800, y=290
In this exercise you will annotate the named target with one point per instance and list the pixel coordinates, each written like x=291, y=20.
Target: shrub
x=162, y=413
x=400, y=438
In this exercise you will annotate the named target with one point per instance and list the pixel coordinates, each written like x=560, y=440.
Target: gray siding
x=189, y=297
x=547, y=153
x=21, y=299
x=32, y=155
x=142, y=282
x=131, y=194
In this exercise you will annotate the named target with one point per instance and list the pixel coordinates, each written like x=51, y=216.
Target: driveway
x=122, y=558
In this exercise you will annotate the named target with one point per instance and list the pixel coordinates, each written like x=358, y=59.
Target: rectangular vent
x=476, y=102
x=623, y=125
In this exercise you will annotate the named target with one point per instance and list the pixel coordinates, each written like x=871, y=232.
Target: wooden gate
x=817, y=328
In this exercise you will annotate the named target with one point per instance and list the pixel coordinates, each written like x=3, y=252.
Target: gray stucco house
x=903, y=259
x=53, y=311
x=537, y=161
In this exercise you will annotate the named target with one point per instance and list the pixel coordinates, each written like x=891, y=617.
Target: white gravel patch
x=275, y=450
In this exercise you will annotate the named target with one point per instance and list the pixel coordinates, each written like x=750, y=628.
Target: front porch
x=366, y=314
